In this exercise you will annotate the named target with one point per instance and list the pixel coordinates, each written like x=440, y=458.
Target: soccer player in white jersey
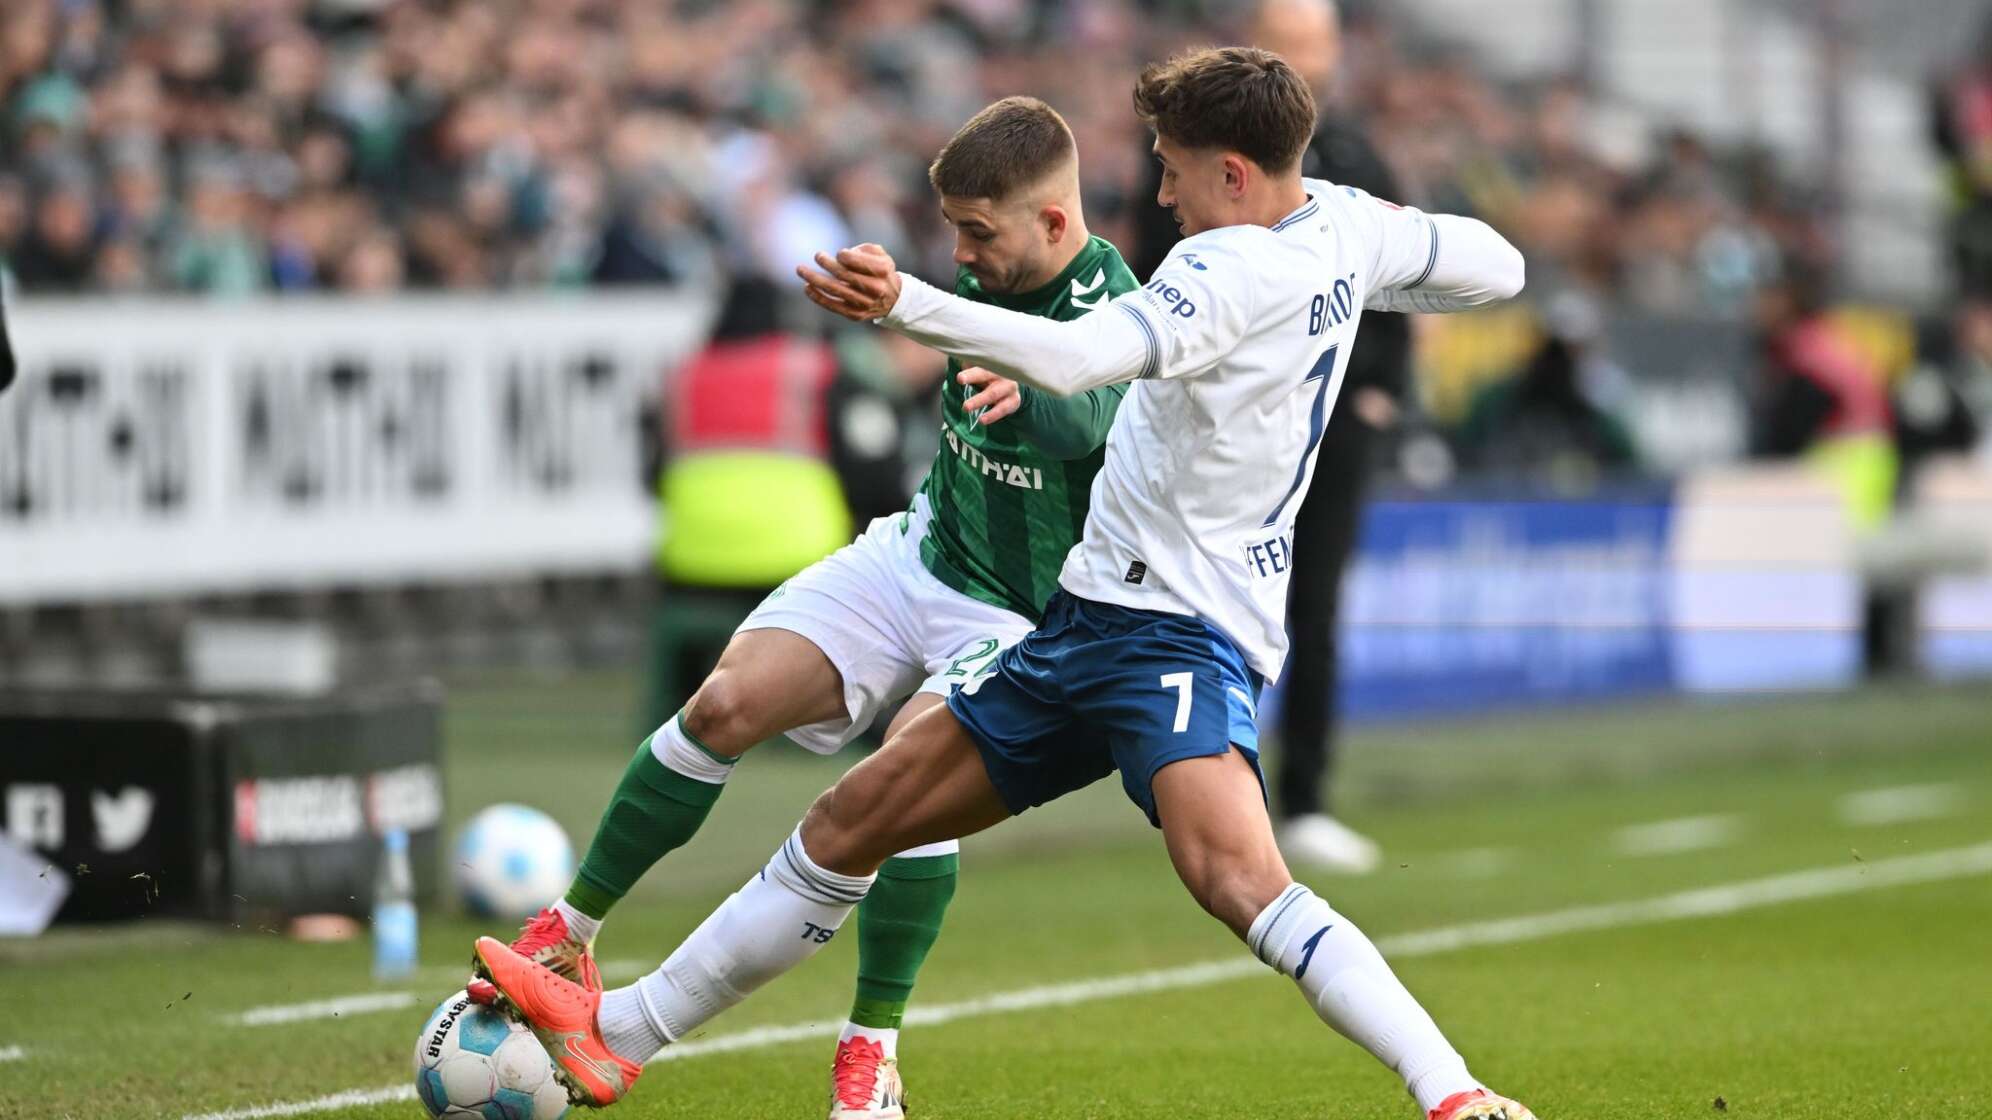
x=1150, y=658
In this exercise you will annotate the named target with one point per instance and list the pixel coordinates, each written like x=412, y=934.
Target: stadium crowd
x=238, y=146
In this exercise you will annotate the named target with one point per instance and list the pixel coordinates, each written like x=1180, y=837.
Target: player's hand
x=860, y=283
x=996, y=396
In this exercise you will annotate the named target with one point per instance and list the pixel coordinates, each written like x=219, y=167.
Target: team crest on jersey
x=1097, y=290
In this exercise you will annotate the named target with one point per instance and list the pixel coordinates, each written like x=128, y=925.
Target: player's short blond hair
x=1012, y=144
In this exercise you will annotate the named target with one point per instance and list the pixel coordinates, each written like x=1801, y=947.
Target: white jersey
x=1238, y=345
x=1211, y=453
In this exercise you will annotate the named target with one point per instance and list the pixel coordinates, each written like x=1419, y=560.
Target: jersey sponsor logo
x=819, y=934
x=1178, y=302
x=1269, y=558
x=1097, y=289
x=1136, y=572
x=1010, y=474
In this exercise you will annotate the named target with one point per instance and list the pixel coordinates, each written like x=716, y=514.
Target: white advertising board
x=174, y=447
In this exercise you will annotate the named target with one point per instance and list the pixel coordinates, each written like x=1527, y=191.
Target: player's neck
x=1281, y=198
x=1077, y=237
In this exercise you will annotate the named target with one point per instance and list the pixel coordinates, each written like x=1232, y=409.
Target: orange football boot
x=545, y=940
x=561, y=1013
x=1479, y=1104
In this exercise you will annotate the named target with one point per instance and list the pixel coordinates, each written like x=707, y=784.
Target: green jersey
x=1008, y=501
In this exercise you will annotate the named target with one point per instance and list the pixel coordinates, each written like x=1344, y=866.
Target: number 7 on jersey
x=1182, y=683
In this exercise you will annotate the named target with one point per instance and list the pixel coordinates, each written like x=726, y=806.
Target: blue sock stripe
x=1279, y=908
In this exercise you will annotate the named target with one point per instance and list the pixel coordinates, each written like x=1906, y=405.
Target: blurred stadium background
x=373, y=356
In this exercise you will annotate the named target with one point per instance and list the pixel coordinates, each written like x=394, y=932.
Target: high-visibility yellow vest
x=749, y=498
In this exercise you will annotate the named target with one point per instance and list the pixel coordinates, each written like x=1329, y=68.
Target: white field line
x=1687, y=834
x=351, y=1098
x=12, y=1053
x=1475, y=863
x=1897, y=804
x=365, y=1003
x=1705, y=902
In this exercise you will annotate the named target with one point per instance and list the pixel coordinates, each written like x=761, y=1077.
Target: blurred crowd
x=236, y=146
x=233, y=147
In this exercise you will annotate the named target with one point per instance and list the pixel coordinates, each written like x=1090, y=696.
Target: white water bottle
x=394, y=928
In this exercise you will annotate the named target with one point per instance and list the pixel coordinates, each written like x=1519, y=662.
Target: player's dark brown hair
x=1006, y=147
x=1239, y=99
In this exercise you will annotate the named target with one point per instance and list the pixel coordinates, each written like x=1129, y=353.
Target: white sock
x=779, y=919
x=580, y=926
x=886, y=1037
x=1354, y=991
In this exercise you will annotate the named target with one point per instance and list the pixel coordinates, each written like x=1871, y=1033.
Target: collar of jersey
x=1299, y=212
x=1088, y=257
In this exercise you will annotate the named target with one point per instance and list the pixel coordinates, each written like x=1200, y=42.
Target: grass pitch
x=1867, y=998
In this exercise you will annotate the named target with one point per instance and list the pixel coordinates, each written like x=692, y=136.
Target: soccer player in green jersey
x=920, y=602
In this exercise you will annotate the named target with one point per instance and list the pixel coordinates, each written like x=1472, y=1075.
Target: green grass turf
x=1865, y=1005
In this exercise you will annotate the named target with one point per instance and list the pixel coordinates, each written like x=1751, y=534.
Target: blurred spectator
x=1962, y=128
x=1944, y=404
x=1821, y=397
x=747, y=492
x=1548, y=421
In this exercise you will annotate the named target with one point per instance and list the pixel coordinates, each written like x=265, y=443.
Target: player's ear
x=1056, y=223
x=1237, y=175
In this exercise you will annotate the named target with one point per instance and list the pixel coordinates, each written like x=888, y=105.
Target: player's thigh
x=917, y=705
x=846, y=607
x=1212, y=810
x=767, y=681
x=927, y=784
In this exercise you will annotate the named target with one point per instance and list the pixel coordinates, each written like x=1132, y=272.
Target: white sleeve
x=1061, y=358
x=1195, y=308
x=1436, y=262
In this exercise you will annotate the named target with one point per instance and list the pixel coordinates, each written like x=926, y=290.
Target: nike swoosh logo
x=610, y=1076
x=1080, y=291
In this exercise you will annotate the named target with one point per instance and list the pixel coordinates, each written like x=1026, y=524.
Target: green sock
x=897, y=923
x=654, y=810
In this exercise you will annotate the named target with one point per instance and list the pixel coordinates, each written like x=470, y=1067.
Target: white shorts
x=886, y=623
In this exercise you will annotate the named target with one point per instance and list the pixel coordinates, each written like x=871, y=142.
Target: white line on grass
x=1705, y=902
x=1896, y=804
x=362, y=1004
x=1687, y=834
x=1476, y=863
x=351, y=1098
x=12, y=1053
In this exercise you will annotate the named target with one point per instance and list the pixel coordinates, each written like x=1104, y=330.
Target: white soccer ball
x=511, y=860
x=472, y=1063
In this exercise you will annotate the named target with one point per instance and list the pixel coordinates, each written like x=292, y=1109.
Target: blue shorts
x=1097, y=688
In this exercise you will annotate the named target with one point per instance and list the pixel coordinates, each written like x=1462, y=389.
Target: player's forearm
x=1066, y=427
x=1059, y=358
x=1472, y=266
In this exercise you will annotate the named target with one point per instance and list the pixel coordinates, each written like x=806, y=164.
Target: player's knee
x=721, y=715
x=849, y=827
x=1234, y=890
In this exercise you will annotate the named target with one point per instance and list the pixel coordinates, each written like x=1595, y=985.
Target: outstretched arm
x=1059, y=358
x=1439, y=262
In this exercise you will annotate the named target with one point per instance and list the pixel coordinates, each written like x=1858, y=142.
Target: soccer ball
x=472, y=1063
x=511, y=860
